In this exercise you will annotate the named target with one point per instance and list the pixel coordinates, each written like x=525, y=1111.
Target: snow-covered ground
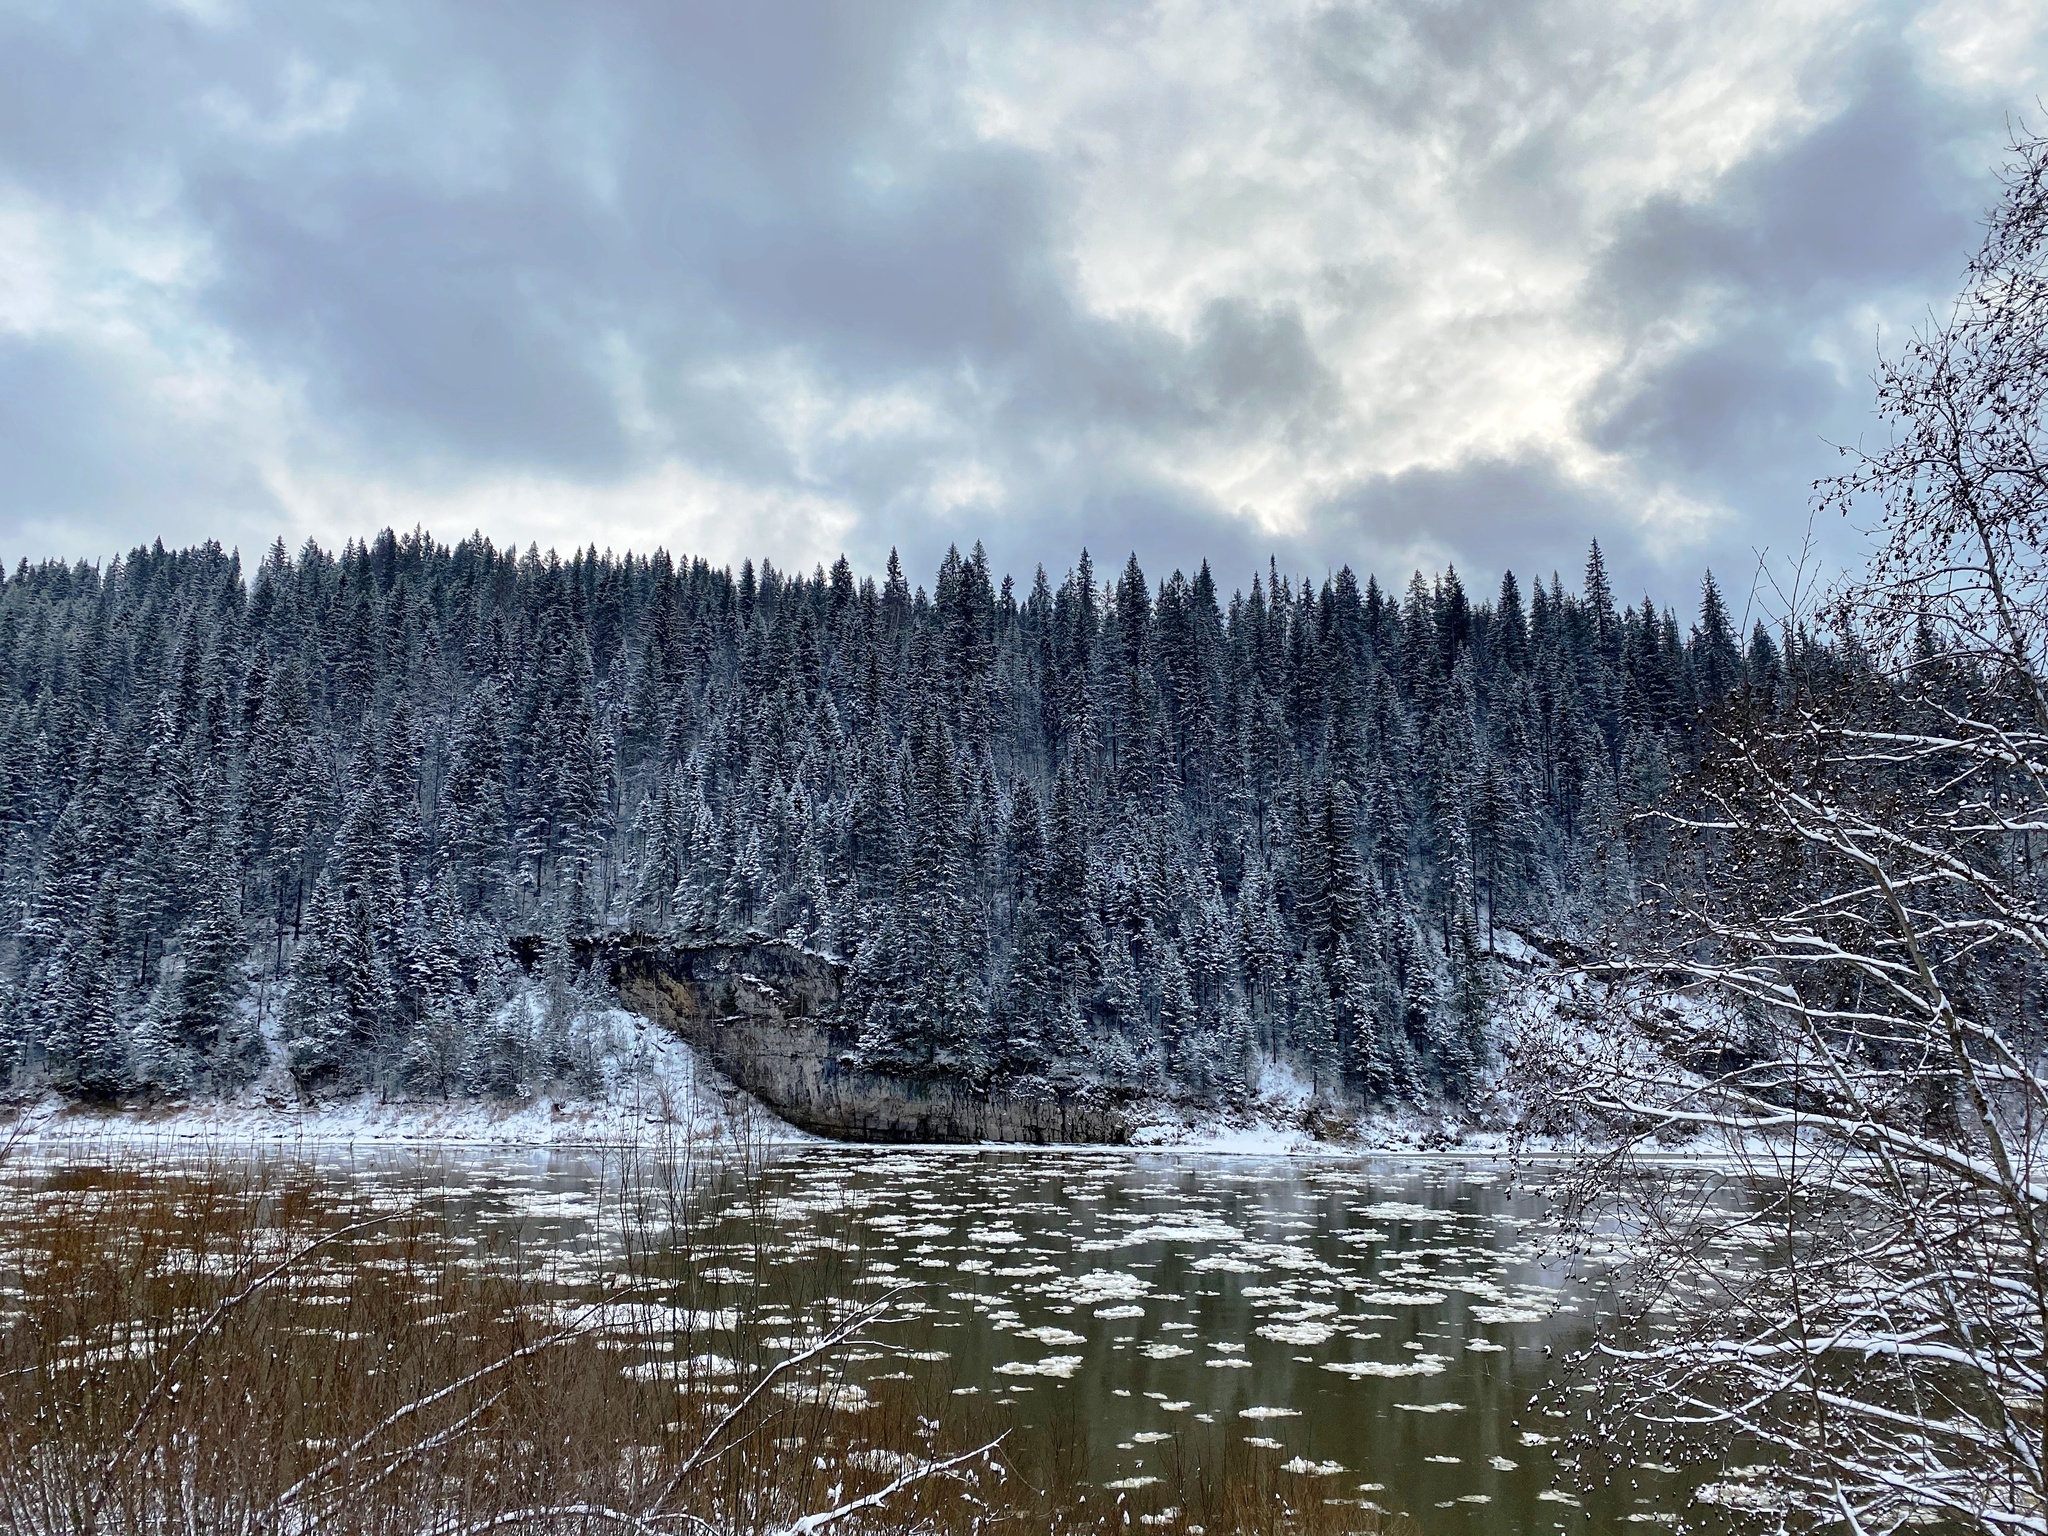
x=655, y=1088
x=1283, y=1119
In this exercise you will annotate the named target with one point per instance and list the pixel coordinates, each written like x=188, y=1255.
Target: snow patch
x=654, y=1089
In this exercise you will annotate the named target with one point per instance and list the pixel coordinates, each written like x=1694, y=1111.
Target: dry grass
x=254, y=1347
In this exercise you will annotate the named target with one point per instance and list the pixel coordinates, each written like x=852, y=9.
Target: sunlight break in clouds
x=1393, y=284
x=1338, y=167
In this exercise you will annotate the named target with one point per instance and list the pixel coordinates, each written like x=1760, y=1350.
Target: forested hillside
x=1092, y=832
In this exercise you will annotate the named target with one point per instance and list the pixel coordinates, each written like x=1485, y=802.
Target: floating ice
x=1164, y=1351
x=1296, y=1333
x=845, y=1396
x=1060, y=1366
x=1170, y=1229
x=1120, y=1312
x=695, y=1368
x=1303, y=1467
x=1421, y=1365
x=1269, y=1413
x=1100, y=1285
x=1396, y=1210
x=1284, y=1256
x=1487, y=1314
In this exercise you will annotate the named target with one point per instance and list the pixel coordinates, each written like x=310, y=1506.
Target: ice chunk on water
x=1060, y=1366
x=1226, y=1263
x=697, y=1366
x=1421, y=1365
x=1303, y=1467
x=1100, y=1285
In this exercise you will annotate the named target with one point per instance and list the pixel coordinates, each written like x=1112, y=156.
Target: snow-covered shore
x=656, y=1089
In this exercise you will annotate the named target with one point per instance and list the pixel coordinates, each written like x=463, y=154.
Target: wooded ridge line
x=1099, y=833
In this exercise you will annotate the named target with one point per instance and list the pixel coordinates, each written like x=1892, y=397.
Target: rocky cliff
x=767, y=1015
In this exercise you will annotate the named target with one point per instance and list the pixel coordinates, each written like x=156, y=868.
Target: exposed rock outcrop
x=767, y=1015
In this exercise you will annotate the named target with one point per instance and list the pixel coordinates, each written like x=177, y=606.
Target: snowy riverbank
x=655, y=1089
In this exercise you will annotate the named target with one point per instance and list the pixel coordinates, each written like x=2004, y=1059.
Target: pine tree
x=1716, y=657
x=198, y=1033
x=1315, y=1024
x=87, y=1047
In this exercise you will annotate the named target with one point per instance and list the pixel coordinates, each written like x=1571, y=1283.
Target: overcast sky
x=1392, y=284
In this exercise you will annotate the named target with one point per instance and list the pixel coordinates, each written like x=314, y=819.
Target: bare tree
x=1843, y=982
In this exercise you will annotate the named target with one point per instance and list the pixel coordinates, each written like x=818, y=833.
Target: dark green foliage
x=1111, y=832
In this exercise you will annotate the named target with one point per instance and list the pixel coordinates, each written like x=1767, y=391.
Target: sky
x=1394, y=285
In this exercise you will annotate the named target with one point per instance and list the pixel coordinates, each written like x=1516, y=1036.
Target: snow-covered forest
x=1095, y=831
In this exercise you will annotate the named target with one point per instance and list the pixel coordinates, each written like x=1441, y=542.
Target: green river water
x=1389, y=1330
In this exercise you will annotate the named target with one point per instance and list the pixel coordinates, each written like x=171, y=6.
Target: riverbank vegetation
x=1840, y=979
x=254, y=1346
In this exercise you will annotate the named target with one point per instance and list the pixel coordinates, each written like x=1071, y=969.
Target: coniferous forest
x=1095, y=832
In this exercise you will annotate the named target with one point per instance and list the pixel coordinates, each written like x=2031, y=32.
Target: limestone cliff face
x=767, y=1016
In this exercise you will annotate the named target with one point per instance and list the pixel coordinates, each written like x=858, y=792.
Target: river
x=1391, y=1332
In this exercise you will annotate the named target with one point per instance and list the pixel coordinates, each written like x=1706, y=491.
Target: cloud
x=1390, y=284
x=1754, y=318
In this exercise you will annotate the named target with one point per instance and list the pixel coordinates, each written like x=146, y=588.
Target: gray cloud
x=1488, y=516
x=1788, y=273
x=908, y=274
